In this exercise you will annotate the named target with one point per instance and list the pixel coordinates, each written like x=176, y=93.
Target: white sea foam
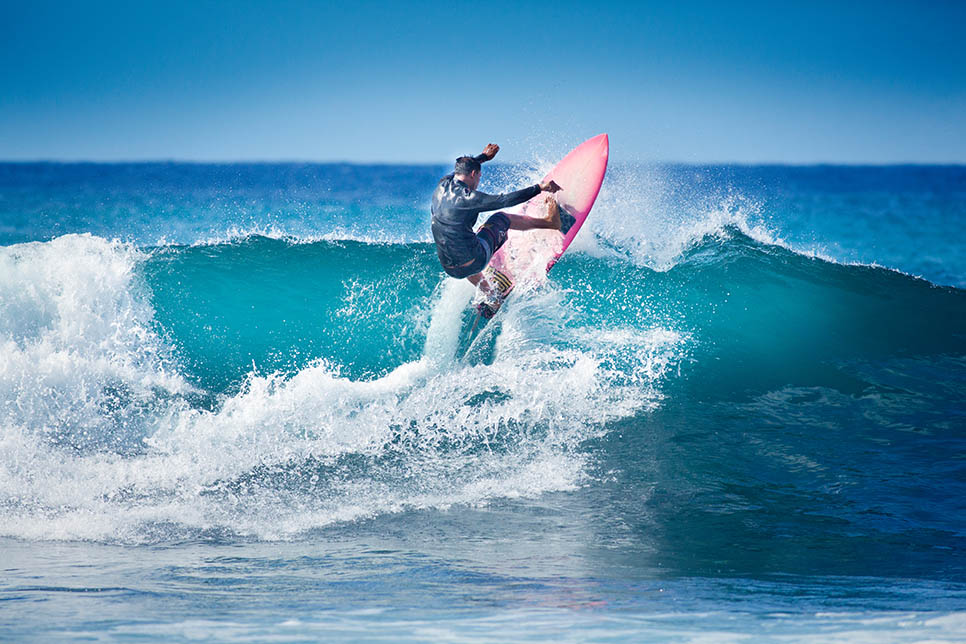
x=76, y=337
x=98, y=440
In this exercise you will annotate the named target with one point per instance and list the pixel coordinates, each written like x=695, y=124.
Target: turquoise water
x=230, y=409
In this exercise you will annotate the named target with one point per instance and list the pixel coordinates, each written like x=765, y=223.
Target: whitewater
x=231, y=408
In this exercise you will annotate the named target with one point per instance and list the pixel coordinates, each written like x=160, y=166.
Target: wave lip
x=236, y=234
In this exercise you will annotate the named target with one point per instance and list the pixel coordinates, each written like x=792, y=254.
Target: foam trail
x=445, y=323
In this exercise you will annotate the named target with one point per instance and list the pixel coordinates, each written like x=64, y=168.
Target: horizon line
x=176, y=161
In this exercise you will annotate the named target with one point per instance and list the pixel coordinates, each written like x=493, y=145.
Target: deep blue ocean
x=230, y=409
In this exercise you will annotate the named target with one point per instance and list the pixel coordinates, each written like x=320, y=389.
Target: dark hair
x=466, y=165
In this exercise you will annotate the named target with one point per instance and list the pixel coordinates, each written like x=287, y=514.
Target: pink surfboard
x=528, y=255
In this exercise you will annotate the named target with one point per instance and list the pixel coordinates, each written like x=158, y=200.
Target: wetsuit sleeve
x=482, y=202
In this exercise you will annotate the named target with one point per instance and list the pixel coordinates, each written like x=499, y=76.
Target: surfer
x=456, y=206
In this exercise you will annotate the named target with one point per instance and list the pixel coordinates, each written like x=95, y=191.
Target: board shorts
x=490, y=237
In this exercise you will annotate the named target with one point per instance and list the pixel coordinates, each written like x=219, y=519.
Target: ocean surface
x=230, y=409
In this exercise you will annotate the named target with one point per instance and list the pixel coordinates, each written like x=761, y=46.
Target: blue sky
x=421, y=82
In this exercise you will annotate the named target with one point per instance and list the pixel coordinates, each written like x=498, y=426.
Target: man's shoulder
x=443, y=185
x=452, y=188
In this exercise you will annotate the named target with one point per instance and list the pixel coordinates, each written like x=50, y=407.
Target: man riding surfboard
x=456, y=206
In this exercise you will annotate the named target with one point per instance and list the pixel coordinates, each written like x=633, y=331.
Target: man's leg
x=551, y=221
x=493, y=234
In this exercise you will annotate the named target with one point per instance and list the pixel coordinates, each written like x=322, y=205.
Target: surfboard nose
x=604, y=142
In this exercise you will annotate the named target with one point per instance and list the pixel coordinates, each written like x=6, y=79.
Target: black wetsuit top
x=455, y=210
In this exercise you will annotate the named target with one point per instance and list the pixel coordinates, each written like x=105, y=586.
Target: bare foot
x=553, y=212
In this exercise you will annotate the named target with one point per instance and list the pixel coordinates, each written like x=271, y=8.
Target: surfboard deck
x=528, y=255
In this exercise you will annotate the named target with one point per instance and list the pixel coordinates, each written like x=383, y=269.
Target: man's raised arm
x=488, y=153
